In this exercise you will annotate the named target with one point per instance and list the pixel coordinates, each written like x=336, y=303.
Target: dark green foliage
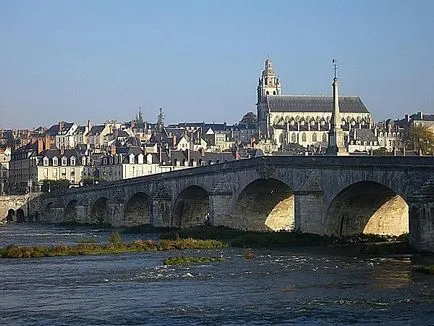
x=426, y=269
x=191, y=260
x=55, y=185
x=115, y=239
x=115, y=245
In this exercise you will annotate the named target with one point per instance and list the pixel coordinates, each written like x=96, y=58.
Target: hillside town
x=33, y=160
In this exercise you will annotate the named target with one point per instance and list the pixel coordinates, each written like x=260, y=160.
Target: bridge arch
x=191, y=207
x=367, y=207
x=100, y=211
x=136, y=210
x=20, y=215
x=264, y=205
x=11, y=215
x=70, y=214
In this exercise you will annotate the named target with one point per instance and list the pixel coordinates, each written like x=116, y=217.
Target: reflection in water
x=293, y=286
x=392, y=276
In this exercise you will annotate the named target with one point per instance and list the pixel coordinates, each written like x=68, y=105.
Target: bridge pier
x=310, y=210
x=161, y=212
x=220, y=209
x=83, y=213
x=421, y=215
x=115, y=214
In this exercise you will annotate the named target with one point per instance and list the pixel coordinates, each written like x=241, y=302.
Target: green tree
x=421, y=138
x=55, y=185
x=249, y=117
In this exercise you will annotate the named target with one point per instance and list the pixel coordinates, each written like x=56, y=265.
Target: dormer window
x=73, y=162
x=55, y=161
x=64, y=161
x=45, y=161
x=83, y=160
x=132, y=159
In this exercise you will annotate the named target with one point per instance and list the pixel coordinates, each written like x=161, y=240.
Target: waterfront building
x=303, y=119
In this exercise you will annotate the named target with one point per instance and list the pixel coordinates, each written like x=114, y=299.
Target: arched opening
x=137, y=209
x=11, y=215
x=100, y=211
x=191, y=207
x=265, y=205
x=70, y=214
x=367, y=207
x=20, y=216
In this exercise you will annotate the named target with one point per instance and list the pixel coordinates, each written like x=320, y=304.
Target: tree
x=249, y=117
x=55, y=185
x=421, y=138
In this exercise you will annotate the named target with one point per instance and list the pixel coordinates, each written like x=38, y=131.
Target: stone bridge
x=312, y=194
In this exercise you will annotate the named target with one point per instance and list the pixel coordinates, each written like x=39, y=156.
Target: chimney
x=89, y=125
x=40, y=145
x=420, y=114
x=407, y=118
x=62, y=150
x=60, y=126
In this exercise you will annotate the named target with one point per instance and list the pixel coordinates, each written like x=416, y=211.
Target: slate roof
x=96, y=130
x=305, y=103
x=54, y=129
x=364, y=135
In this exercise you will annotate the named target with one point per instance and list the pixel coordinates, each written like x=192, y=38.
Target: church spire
x=336, y=145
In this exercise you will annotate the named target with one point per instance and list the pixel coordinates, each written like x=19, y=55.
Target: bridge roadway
x=313, y=194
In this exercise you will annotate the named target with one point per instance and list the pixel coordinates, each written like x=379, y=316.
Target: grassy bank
x=364, y=243
x=115, y=245
x=191, y=260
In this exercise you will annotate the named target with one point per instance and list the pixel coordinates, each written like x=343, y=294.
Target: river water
x=276, y=287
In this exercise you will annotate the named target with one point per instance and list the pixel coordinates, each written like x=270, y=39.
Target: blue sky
x=200, y=60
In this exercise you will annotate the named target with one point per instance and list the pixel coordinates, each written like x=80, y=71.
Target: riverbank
x=115, y=245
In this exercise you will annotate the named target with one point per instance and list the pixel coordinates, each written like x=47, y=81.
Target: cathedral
x=303, y=119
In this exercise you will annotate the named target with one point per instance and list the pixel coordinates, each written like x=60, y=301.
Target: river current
x=295, y=286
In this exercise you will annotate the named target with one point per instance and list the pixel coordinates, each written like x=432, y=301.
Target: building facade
x=303, y=119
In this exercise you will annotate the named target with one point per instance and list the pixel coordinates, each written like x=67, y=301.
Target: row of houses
x=114, y=151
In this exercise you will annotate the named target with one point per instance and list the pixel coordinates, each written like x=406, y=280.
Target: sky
x=200, y=60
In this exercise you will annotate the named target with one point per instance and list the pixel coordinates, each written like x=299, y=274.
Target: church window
x=293, y=137
x=274, y=92
x=314, y=139
x=303, y=137
x=266, y=81
x=324, y=137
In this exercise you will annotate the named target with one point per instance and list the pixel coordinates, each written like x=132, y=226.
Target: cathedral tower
x=268, y=85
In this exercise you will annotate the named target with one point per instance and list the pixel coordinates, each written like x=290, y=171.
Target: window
x=63, y=172
x=64, y=161
x=324, y=138
x=45, y=161
x=314, y=139
x=72, y=173
x=45, y=173
x=303, y=137
x=55, y=161
x=73, y=161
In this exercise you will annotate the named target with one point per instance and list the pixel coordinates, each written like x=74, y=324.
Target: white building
x=303, y=119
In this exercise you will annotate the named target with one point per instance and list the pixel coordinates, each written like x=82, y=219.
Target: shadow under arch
x=137, y=209
x=367, y=207
x=100, y=211
x=265, y=205
x=11, y=215
x=191, y=208
x=21, y=218
x=70, y=214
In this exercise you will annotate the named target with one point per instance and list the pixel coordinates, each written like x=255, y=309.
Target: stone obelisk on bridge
x=336, y=143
